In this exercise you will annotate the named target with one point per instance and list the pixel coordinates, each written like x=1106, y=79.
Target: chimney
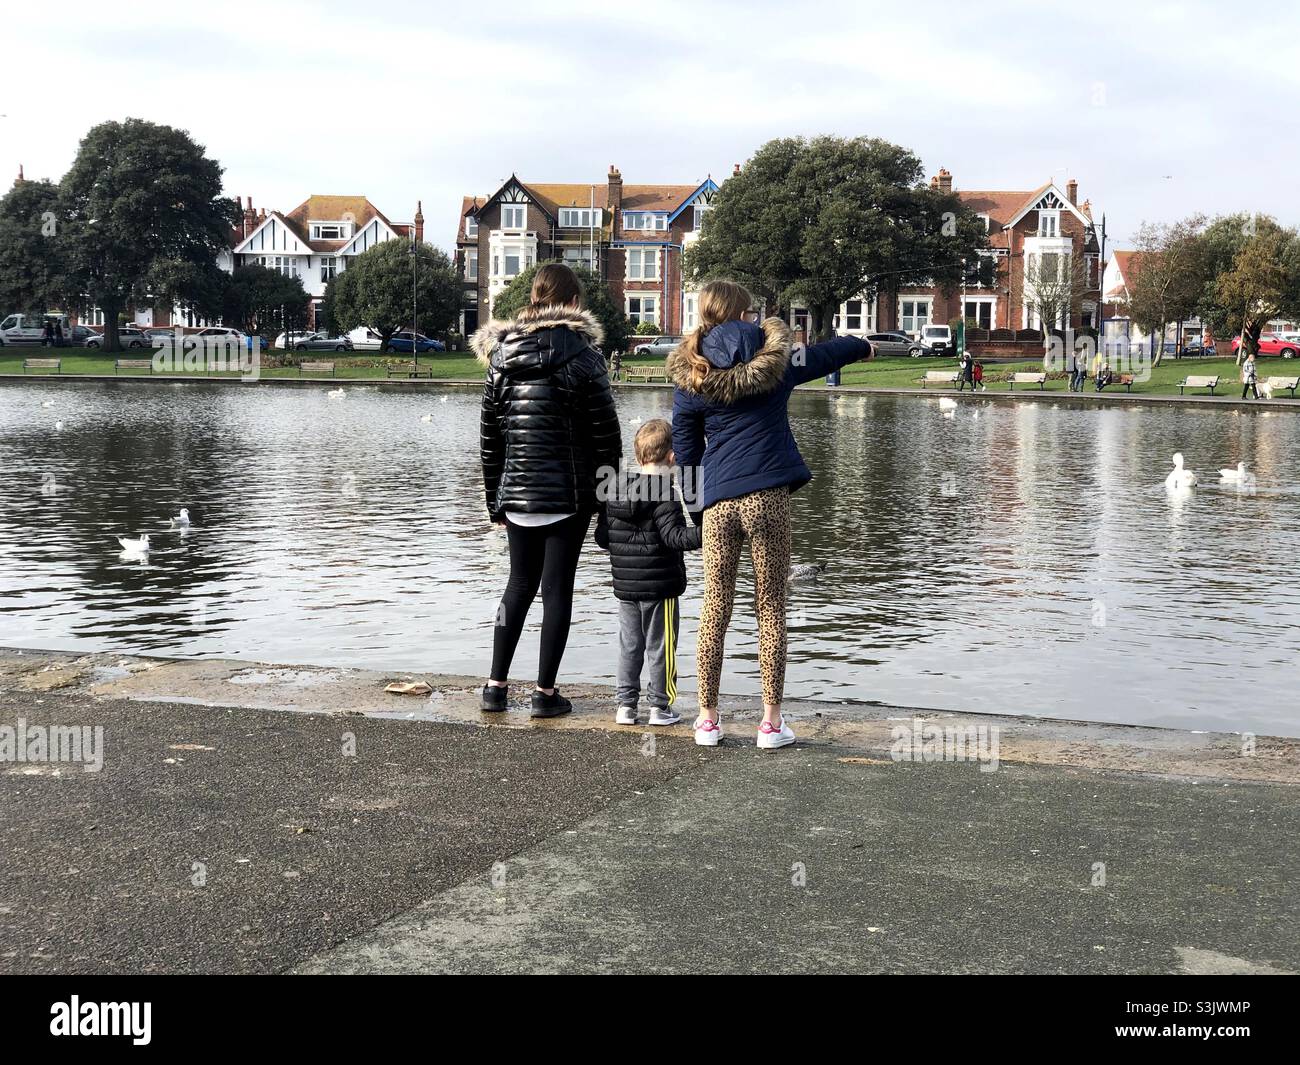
x=735, y=170
x=250, y=217
x=944, y=180
x=615, y=189
x=20, y=179
x=419, y=222
x=1072, y=191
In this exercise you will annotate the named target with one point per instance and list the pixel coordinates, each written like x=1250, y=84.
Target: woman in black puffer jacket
x=548, y=434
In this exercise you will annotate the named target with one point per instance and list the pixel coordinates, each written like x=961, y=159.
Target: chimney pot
x=1072, y=191
x=944, y=179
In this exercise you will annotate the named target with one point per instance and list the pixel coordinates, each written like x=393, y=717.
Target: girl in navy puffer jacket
x=733, y=381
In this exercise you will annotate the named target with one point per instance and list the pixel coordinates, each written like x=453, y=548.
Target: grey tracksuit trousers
x=647, y=634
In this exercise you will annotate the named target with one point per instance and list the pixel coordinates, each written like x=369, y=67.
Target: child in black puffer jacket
x=645, y=531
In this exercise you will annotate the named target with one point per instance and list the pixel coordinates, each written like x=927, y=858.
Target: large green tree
x=1251, y=275
x=260, y=300
x=139, y=196
x=596, y=295
x=825, y=219
x=1168, y=276
x=29, y=261
x=379, y=287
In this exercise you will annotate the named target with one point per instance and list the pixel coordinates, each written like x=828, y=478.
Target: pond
x=1017, y=558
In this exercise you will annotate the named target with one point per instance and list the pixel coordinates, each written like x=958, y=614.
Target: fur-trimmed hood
x=581, y=322
x=745, y=360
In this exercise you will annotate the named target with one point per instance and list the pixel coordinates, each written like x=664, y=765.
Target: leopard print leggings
x=765, y=518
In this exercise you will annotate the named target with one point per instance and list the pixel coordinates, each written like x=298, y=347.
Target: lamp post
x=415, y=345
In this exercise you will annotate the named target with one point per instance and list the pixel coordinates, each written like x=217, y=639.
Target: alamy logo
x=82, y=744
x=920, y=741
x=103, y=1018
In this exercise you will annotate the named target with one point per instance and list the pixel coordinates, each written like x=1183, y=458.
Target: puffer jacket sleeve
x=674, y=533
x=688, y=444
x=818, y=360
x=603, y=432
x=602, y=530
x=492, y=442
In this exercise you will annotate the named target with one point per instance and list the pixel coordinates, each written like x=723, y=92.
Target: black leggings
x=545, y=557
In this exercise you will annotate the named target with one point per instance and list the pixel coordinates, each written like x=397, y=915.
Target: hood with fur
x=581, y=322
x=745, y=360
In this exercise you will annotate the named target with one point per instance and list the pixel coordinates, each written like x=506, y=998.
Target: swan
x=443, y=400
x=427, y=418
x=1240, y=476
x=134, y=547
x=947, y=403
x=48, y=403
x=634, y=421
x=58, y=427
x=182, y=520
x=1179, y=476
x=336, y=393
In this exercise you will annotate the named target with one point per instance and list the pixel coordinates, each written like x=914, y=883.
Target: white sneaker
x=626, y=715
x=707, y=733
x=664, y=715
x=770, y=737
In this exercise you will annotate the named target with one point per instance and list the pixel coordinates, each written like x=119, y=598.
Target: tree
x=376, y=290
x=258, y=299
x=1251, y=274
x=29, y=262
x=827, y=219
x=614, y=323
x=1166, y=276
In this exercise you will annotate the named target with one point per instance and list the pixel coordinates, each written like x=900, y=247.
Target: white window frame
x=1049, y=223
x=991, y=302
x=508, y=211
x=919, y=321
x=471, y=226
x=633, y=221
x=337, y=230
x=471, y=264
x=329, y=268
x=866, y=316
x=690, y=311
x=646, y=269
x=640, y=314
x=579, y=217
x=579, y=255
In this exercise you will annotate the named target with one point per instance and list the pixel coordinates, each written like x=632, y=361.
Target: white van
x=365, y=339
x=28, y=328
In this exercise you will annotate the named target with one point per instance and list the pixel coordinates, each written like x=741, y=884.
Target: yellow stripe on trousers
x=670, y=650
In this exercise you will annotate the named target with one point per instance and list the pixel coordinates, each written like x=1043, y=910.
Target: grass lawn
x=897, y=372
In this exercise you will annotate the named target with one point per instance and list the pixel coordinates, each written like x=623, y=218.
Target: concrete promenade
x=252, y=818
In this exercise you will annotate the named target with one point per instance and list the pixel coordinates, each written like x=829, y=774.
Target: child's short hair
x=653, y=442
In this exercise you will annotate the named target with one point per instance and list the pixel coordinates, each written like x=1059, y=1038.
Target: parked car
x=890, y=344
x=322, y=342
x=934, y=340
x=365, y=339
x=28, y=328
x=1273, y=344
x=402, y=342
x=660, y=347
x=1196, y=347
x=293, y=337
x=128, y=336
x=216, y=334
x=78, y=335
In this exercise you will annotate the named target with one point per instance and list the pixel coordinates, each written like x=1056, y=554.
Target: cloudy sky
x=1157, y=109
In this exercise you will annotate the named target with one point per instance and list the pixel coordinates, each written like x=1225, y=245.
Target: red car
x=1287, y=345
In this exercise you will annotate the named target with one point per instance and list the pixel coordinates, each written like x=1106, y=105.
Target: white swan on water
x=1180, y=477
x=134, y=547
x=1240, y=476
x=336, y=393
x=947, y=403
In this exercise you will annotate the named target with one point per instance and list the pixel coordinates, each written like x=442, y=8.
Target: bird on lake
x=134, y=547
x=1180, y=477
x=182, y=520
x=443, y=400
x=427, y=418
x=58, y=427
x=947, y=403
x=336, y=393
x=1241, y=476
x=634, y=421
x=48, y=403
x=807, y=571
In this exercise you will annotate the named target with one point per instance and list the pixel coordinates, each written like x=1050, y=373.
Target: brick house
x=1023, y=226
x=315, y=240
x=630, y=236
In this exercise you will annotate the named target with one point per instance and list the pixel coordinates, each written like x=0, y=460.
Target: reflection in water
x=1026, y=560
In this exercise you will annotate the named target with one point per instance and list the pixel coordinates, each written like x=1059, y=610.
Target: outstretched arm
x=818, y=360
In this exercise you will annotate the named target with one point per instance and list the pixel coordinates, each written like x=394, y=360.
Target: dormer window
x=471, y=226
x=579, y=217
x=331, y=230
x=645, y=221
x=1049, y=223
x=514, y=216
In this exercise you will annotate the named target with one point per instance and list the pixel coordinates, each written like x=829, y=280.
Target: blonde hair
x=720, y=301
x=653, y=441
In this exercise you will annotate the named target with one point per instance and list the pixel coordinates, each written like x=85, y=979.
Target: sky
x=1158, y=110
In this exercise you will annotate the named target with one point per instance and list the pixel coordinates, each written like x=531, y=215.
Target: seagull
x=134, y=547
x=48, y=403
x=337, y=393
x=1241, y=476
x=182, y=520
x=1180, y=477
x=427, y=418
x=947, y=403
x=58, y=427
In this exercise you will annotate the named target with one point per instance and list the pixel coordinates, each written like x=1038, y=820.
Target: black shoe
x=494, y=698
x=550, y=705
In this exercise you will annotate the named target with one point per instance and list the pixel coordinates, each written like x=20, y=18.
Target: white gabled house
x=314, y=241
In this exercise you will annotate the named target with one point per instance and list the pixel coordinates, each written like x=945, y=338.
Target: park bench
x=43, y=364
x=1125, y=379
x=646, y=374
x=1039, y=379
x=939, y=377
x=408, y=370
x=132, y=364
x=1199, y=382
x=1289, y=383
x=316, y=367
